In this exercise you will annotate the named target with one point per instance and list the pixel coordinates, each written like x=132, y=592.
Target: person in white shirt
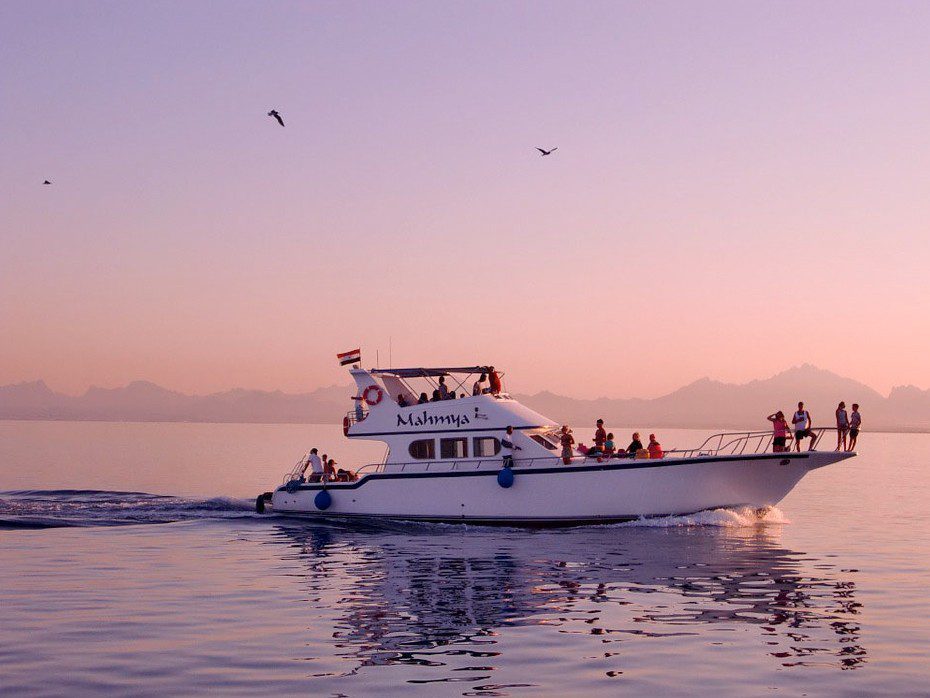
x=855, y=423
x=508, y=447
x=316, y=466
x=478, y=388
x=803, y=425
x=842, y=426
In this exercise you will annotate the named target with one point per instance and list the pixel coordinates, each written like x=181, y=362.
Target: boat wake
x=35, y=509
x=727, y=518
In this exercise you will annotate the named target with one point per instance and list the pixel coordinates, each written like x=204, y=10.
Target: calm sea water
x=828, y=595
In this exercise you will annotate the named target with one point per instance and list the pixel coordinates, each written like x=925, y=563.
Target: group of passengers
x=605, y=447
x=847, y=428
x=324, y=469
x=443, y=392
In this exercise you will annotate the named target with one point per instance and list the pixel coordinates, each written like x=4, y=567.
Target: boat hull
x=591, y=493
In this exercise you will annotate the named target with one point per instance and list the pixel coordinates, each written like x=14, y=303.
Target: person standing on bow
x=842, y=426
x=780, y=431
x=855, y=423
x=508, y=447
x=803, y=427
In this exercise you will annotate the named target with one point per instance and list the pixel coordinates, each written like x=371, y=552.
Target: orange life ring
x=345, y=426
x=379, y=394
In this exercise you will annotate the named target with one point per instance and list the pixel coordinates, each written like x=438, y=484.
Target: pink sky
x=739, y=187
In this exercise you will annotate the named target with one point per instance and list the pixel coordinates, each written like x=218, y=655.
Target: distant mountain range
x=704, y=404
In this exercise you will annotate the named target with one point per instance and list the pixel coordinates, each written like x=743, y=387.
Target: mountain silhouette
x=712, y=404
x=705, y=403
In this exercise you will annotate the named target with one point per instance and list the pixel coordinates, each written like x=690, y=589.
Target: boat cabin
x=438, y=431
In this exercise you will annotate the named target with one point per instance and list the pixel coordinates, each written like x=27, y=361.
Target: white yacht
x=444, y=463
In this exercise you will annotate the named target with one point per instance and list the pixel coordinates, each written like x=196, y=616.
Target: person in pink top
x=780, y=425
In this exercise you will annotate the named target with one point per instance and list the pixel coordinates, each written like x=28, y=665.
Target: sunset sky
x=738, y=188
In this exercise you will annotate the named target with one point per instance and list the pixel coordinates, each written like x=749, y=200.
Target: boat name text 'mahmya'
x=453, y=460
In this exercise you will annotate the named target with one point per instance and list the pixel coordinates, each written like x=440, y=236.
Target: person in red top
x=655, y=448
x=494, y=381
x=600, y=436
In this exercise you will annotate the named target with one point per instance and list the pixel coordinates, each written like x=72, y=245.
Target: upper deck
x=389, y=404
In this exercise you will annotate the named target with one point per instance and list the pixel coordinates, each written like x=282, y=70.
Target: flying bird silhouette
x=46, y=182
x=547, y=152
x=275, y=114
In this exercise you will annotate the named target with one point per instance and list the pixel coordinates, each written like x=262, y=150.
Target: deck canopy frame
x=433, y=374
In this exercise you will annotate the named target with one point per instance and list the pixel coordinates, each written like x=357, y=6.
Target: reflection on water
x=432, y=596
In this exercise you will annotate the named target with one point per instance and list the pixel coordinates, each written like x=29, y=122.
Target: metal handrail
x=725, y=443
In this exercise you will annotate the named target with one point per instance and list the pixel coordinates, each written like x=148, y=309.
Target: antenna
x=390, y=352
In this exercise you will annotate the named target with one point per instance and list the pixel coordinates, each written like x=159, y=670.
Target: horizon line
x=543, y=390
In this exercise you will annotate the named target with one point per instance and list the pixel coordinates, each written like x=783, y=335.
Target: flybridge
x=428, y=372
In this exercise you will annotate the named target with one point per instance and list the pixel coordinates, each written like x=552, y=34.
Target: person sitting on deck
x=655, y=448
x=402, y=400
x=443, y=388
x=609, y=445
x=437, y=396
x=329, y=471
x=494, y=381
x=567, y=441
x=781, y=431
x=478, y=387
x=423, y=399
x=635, y=445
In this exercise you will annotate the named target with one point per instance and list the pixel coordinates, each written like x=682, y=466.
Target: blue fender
x=505, y=477
x=322, y=500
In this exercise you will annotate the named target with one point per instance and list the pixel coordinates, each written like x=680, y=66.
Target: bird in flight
x=46, y=182
x=275, y=114
x=547, y=152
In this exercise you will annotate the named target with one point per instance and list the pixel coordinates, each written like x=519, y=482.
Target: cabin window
x=485, y=446
x=423, y=449
x=453, y=448
x=543, y=441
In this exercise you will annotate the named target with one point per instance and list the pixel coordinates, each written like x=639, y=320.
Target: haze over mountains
x=704, y=404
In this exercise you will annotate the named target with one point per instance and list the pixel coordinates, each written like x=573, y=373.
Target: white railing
x=736, y=443
x=731, y=443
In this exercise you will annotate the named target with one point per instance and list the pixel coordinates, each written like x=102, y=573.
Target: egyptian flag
x=350, y=357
